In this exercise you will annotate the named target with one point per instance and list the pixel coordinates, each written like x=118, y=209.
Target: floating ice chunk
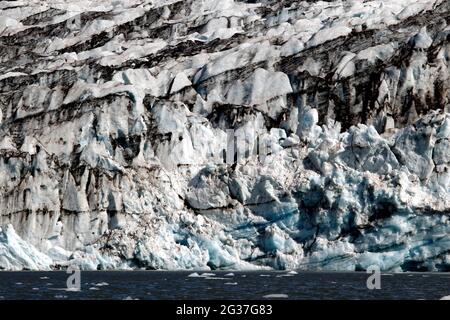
x=206, y=274
x=102, y=284
x=276, y=296
x=445, y=298
x=229, y=275
x=194, y=275
x=231, y=283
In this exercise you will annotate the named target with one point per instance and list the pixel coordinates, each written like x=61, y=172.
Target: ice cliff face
x=225, y=134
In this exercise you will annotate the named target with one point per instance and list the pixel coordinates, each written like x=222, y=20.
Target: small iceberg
x=208, y=274
x=102, y=284
x=194, y=275
x=288, y=274
x=205, y=275
x=276, y=296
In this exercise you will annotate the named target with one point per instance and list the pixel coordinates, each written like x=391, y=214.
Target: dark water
x=241, y=285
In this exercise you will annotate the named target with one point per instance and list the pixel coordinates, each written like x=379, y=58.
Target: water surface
x=157, y=285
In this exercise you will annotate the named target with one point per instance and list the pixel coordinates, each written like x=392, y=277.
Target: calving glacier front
x=225, y=135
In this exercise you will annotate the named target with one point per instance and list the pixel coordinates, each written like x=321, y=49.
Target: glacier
x=231, y=135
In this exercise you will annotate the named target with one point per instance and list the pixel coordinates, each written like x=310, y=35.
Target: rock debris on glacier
x=203, y=134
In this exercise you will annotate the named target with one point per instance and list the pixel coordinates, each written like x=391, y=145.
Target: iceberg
x=225, y=135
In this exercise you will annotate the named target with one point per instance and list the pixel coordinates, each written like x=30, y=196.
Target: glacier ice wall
x=202, y=134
